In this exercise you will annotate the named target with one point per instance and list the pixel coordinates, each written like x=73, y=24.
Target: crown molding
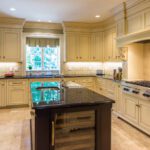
x=42, y=25
x=11, y=22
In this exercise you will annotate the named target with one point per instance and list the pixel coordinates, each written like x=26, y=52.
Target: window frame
x=42, y=69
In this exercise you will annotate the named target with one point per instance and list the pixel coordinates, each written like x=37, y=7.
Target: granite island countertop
x=67, y=94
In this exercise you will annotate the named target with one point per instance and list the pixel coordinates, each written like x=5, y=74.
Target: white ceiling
x=58, y=10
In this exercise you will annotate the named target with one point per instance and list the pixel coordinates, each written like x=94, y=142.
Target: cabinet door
x=12, y=45
x=71, y=47
x=119, y=102
x=1, y=44
x=144, y=112
x=108, y=45
x=17, y=92
x=84, y=41
x=2, y=93
x=130, y=108
x=96, y=53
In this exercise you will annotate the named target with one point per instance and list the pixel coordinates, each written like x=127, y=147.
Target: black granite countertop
x=66, y=94
x=45, y=76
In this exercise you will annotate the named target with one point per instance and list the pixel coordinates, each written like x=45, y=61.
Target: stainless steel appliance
x=140, y=89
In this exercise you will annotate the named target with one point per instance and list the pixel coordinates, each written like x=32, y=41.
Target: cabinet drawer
x=16, y=82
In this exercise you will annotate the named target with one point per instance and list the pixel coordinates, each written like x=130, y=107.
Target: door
x=1, y=45
x=84, y=43
x=144, y=112
x=17, y=92
x=71, y=47
x=108, y=45
x=131, y=108
x=96, y=52
x=12, y=45
x=119, y=99
x=2, y=93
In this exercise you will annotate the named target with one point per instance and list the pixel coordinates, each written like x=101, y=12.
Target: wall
x=133, y=68
x=138, y=65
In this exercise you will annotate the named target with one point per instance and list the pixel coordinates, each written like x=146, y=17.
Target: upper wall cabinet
x=111, y=51
x=71, y=47
x=135, y=23
x=83, y=47
x=10, y=48
x=96, y=53
x=78, y=47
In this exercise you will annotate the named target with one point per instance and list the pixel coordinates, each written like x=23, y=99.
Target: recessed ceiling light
x=12, y=9
x=97, y=16
x=49, y=20
x=39, y=20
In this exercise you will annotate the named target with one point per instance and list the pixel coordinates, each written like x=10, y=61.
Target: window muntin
x=43, y=58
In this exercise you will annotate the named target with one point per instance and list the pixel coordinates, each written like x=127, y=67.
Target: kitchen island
x=67, y=116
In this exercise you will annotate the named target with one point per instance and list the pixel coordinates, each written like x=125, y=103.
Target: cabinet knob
x=77, y=57
x=80, y=57
x=3, y=56
x=94, y=57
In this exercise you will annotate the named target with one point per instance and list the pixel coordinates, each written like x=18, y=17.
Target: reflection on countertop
x=68, y=94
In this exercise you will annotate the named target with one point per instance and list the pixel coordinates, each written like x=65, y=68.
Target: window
x=42, y=58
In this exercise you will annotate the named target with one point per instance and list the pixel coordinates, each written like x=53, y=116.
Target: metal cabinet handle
x=53, y=133
x=3, y=56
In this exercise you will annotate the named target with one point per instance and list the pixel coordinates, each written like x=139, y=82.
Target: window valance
x=42, y=42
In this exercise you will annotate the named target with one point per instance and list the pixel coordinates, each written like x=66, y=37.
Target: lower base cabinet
x=130, y=108
x=144, y=115
x=136, y=112
x=17, y=92
x=2, y=94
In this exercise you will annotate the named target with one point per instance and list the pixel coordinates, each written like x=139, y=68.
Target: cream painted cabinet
x=12, y=45
x=17, y=92
x=78, y=46
x=71, y=47
x=2, y=93
x=144, y=115
x=130, y=108
x=1, y=45
x=83, y=47
x=119, y=102
x=108, y=45
x=96, y=52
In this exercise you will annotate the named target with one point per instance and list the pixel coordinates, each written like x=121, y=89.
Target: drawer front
x=16, y=82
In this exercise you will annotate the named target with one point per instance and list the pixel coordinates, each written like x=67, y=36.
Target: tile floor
x=15, y=132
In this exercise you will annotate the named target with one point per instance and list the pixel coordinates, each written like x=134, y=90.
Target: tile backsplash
x=6, y=67
x=90, y=67
x=70, y=68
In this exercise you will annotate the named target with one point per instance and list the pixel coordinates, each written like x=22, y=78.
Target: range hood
x=138, y=37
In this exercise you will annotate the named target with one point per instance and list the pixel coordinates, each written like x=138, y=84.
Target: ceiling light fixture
x=12, y=9
x=97, y=16
x=39, y=20
x=49, y=20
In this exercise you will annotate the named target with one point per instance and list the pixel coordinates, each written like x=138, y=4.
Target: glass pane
x=51, y=58
x=33, y=58
x=75, y=131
